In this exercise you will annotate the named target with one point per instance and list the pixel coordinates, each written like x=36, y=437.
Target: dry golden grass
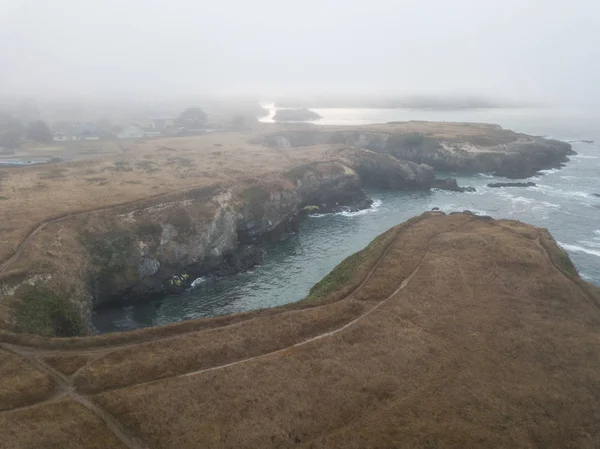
x=66, y=364
x=64, y=424
x=465, y=332
x=20, y=383
x=35, y=194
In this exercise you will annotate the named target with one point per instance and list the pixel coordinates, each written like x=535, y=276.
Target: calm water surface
x=562, y=202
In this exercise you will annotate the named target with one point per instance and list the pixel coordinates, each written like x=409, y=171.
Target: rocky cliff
x=497, y=151
x=131, y=253
x=150, y=249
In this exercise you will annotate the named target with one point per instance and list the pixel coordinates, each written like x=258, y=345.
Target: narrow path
x=4, y=266
x=67, y=390
x=403, y=285
x=104, y=349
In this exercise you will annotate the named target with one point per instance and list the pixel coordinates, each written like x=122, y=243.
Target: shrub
x=43, y=312
x=256, y=196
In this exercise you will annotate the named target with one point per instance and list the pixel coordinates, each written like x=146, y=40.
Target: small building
x=62, y=137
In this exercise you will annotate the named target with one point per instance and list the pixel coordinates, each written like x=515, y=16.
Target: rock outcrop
x=210, y=231
x=384, y=171
x=497, y=151
x=295, y=115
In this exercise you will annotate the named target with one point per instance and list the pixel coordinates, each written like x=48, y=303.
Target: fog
x=518, y=50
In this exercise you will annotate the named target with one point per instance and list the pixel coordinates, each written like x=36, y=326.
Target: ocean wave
x=597, y=231
x=374, y=207
x=583, y=156
x=588, y=243
x=548, y=204
x=568, y=177
x=550, y=171
x=551, y=191
x=516, y=199
x=486, y=175
x=199, y=281
x=579, y=249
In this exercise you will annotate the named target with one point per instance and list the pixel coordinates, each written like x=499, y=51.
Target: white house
x=61, y=137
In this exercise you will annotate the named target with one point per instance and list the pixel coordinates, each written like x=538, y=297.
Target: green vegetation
x=340, y=275
x=564, y=261
x=3, y=197
x=178, y=280
x=310, y=209
x=350, y=272
x=149, y=228
x=297, y=172
x=43, y=312
x=399, y=142
x=256, y=196
x=180, y=218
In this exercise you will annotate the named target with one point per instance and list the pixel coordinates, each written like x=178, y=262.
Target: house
x=133, y=131
x=62, y=137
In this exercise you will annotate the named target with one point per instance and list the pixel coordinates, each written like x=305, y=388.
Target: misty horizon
x=525, y=52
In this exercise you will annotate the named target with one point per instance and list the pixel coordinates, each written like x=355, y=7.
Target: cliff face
x=208, y=232
x=131, y=253
x=510, y=154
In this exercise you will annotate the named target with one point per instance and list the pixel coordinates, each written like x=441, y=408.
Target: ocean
x=562, y=201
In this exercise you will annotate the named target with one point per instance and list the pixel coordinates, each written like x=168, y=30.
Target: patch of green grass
x=564, y=261
x=43, y=312
x=2, y=198
x=352, y=270
x=297, y=172
x=340, y=275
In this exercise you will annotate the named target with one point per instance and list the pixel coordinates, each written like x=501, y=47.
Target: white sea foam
x=580, y=249
x=199, y=281
x=486, y=175
x=374, y=207
x=583, y=156
x=549, y=171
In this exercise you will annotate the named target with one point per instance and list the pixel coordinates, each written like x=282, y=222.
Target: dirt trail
x=67, y=390
x=4, y=266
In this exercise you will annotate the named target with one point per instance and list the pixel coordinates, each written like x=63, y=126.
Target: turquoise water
x=562, y=202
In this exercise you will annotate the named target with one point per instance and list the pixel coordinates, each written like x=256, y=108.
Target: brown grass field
x=448, y=331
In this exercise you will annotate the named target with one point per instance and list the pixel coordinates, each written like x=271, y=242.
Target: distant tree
x=192, y=118
x=11, y=131
x=39, y=132
x=238, y=121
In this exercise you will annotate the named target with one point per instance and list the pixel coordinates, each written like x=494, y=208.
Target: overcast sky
x=546, y=49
